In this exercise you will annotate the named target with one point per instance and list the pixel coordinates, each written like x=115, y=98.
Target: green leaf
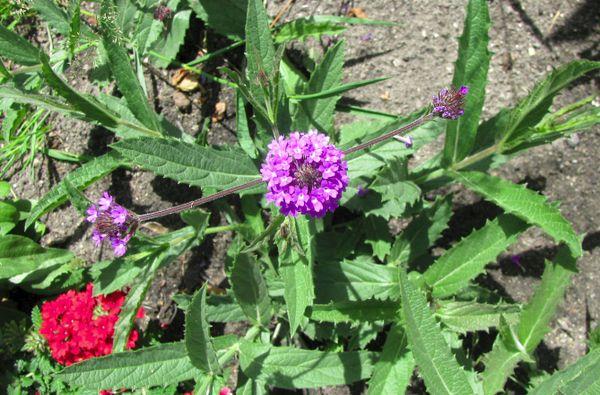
x=467, y=259
x=260, y=51
x=226, y=17
x=74, y=25
x=128, y=84
x=471, y=69
x=581, y=378
x=218, y=308
x=9, y=216
x=377, y=235
x=354, y=312
x=44, y=101
x=440, y=371
x=250, y=289
x=422, y=232
x=358, y=279
x=534, y=107
x=53, y=14
x=17, y=49
x=188, y=163
x=198, y=341
x=302, y=28
x=88, y=173
x=158, y=365
x=293, y=368
x=533, y=323
x=318, y=113
x=351, y=21
x=167, y=46
x=242, y=129
x=20, y=257
x=392, y=373
x=465, y=317
x=91, y=108
x=524, y=203
x=78, y=199
x=336, y=90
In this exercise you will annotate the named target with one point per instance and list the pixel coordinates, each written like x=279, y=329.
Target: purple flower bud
x=112, y=222
x=162, y=13
x=449, y=102
x=305, y=174
x=407, y=140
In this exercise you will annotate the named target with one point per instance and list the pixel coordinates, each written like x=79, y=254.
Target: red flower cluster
x=79, y=326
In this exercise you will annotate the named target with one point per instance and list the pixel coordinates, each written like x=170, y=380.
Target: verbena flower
x=79, y=326
x=113, y=222
x=449, y=102
x=305, y=174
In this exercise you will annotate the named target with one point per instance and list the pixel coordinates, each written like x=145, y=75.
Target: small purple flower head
x=162, y=13
x=112, y=222
x=305, y=174
x=449, y=102
x=407, y=140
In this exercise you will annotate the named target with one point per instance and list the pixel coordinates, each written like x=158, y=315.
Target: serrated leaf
x=21, y=256
x=250, y=289
x=218, y=308
x=471, y=69
x=80, y=178
x=293, y=368
x=158, y=365
x=336, y=90
x=188, y=163
x=377, y=234
x=74, y=25
x=230, y=23
x=355, y=312
x=78, y=199
x=438, y=367
x=318, y=113
x=393, y=371
x=242, y=128
x=533, y=323
x=354, y=280
x=524, y=203
x=44, y=101
x=260, y=51
x=167, y=46
x=534, y=106
x=128, y=84
x=422, y=232
x=581, y=378
x=302, y=28
x=198, y=342
x=49, y=11
x=17, y=49
x=467, y=259
x=465, y=317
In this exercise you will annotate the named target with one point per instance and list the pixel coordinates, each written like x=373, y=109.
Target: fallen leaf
x=357, y=12
x=385, y=96
x=185, y=81
x=220, y=110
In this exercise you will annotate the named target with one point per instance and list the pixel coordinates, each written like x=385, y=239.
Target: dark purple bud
x=449, y=103
x=162, y=13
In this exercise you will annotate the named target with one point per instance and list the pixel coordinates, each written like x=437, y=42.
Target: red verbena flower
x=79, y=326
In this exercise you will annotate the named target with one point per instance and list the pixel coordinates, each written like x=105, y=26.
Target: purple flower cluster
x=449, y=102
x=113, y=222
x=305, y=174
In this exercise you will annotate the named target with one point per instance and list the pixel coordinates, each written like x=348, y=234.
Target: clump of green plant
x=328, y=296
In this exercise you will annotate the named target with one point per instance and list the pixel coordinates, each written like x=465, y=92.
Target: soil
x=527, y=38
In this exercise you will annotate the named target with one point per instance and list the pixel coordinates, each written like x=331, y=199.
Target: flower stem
x=383, y=137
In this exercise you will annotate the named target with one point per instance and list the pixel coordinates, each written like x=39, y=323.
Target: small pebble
x=181, y=101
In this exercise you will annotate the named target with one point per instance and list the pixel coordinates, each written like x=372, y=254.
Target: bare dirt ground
x=528, y=38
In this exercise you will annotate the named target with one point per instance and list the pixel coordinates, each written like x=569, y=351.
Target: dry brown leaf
x=185, y=81
x=357, y=12
x=154, y=227
x=385, y=96
x=220, y=110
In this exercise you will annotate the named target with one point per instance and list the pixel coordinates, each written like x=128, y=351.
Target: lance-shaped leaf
x=524, y=203
x=128, y=83
x=471, y=69
x=198, y=341
x=189, y=163
x=467, y=259
x=437, y=366
x=358, y=279
x=534, y=106
x=260, y=51
x=581, y=378
x=392, y=373
x=21, y=256
x=242, y=128
x=18, y=49
x=88, y=173
x=293, y=368
x=302, y=28
x=318, y=113
x=356, y=311
x=512, y=346
x=158, y=365
x=168, y=44
x=469, y=316
x=422, y=232
x=250, y=289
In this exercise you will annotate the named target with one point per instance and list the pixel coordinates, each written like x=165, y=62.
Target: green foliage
x=580, y=378
x=250, y=289
x=198, y=342
x=300, y=29
x=226, y=17
x=17, y=49
x=472, y=316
